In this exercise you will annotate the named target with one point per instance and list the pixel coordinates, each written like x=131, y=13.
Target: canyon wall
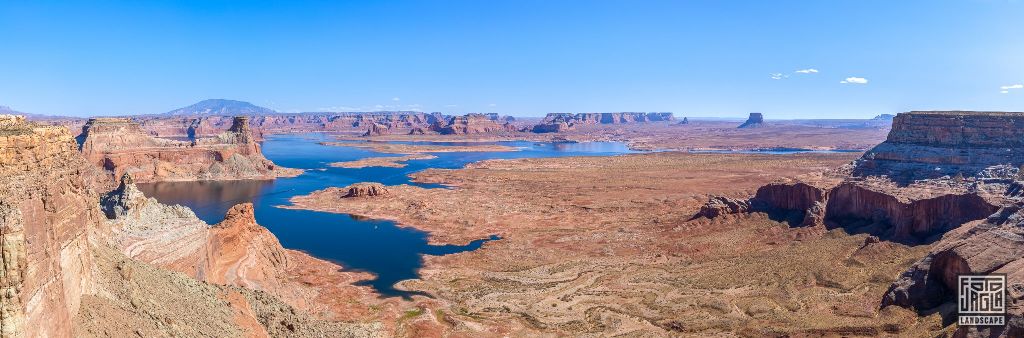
x=47, y=211
x=119, y=145
x=951, y=179
x=924, y=145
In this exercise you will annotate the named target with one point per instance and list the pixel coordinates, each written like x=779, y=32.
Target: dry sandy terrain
x=390, y=162
x=392, y=148
x=698, y=135
x=605, y=246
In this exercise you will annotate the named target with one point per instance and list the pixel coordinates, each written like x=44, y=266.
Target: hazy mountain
x=221, y=107
x=8, y=110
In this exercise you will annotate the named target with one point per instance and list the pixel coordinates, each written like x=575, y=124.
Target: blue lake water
x=390, y=252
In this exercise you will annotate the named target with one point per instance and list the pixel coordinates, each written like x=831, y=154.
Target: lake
x=390, y=252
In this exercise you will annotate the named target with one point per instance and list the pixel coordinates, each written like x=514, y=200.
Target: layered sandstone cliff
x=63, y=273
x=948, y=178
x=47, y=211
x=923, y=145
x=119, y=146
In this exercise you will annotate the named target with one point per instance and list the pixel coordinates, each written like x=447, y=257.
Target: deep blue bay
x=380, y=247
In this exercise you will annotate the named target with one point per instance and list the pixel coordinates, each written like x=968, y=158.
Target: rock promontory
x=933, y=144
x=119, y=145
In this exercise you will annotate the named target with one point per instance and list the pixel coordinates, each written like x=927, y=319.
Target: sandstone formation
x=47, y=209
x=119, y=146
x=928, y=145
x=560, y=122
x=472, y=124
x=365, y=189
x=755, y=120
x=377, y=129
x=685, y=121
x=949, y=178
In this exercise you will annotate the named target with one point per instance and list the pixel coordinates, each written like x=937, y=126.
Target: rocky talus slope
x=63, y=273
x=120, y=146
x=948, y=178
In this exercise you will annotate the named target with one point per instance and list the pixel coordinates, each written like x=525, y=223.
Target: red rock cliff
x=47, y=209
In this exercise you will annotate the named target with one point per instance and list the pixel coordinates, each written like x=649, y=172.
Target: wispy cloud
x=854, y=80
x=807, y=71
x=1006, y=89
x=396, y=99
x=778, y=76
x=493, y=105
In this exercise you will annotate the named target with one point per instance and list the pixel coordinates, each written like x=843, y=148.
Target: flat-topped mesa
x=932, y=144
x=755, y=120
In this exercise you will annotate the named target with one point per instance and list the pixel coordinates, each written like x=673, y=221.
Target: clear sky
x=695, y=58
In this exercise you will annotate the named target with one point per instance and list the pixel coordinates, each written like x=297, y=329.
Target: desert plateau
x=571, y=168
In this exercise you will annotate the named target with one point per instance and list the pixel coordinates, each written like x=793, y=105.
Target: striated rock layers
x=949, y=178
x=236, y=251
x=61, y=276
x=755, y=120
x=889, y=213
x=47, y=208
x=472, y=124
x=119, y=146
x=377, y=129
x=932, y=144
x=560, y=122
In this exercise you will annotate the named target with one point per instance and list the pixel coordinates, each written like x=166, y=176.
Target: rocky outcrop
x=377, y=129
x=717, y=206
x=685, y=121
x=755, y=120
x=236, y=251
x=47, y=212
x=933, y=144
x=365, y=189
x=993, y=247
x=552, y=127
x=120, y=146
x=472, y=124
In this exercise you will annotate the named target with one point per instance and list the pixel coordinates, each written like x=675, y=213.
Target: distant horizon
x=836, y=59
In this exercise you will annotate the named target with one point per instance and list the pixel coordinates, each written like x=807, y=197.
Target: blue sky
x=695, y=58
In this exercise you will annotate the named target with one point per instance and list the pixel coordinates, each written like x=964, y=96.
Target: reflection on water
x=208, y=199
x=380, y=247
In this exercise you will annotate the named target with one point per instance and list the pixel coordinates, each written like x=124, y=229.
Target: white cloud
x=493, y=105
x=778, y=76
x=1007, y=89
x=807, y=71
x=395, y=99
x=855, y=80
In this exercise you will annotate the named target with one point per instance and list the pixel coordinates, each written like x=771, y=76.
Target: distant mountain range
x=221, y=107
